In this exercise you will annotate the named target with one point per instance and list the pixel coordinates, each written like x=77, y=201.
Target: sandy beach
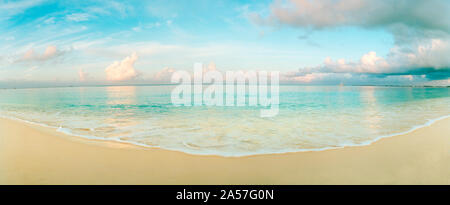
x=30, y=154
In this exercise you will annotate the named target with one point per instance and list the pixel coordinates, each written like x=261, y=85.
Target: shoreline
x=31, y=154
x=115, y=140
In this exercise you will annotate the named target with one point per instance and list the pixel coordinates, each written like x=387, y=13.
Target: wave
x=70, y=132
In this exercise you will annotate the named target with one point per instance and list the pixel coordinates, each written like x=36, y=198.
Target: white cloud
x=445, y=82
x=120, y=9
x=434, y=54
x=139, y=28
x=82, y=75
x=10, y=8
x=211, y=67
x=50, y=20
x=163, y=9
x=10, y=38
x=163, y=76
x=122, y=71
x=78, y=17
x=424, y=59
x=29, y=72
x=409, y=77
x=49, y=53
x=310, y=77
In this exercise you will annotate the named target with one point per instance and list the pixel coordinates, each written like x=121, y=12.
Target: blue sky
x=75, y=42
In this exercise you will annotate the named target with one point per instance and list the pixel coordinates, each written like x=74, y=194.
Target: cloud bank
x=421, y=31
x=431, y=59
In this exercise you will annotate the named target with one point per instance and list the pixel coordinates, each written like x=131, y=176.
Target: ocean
x=310, y=118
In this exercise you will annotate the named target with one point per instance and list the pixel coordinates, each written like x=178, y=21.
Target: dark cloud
x=421, y=31
x=423, y=15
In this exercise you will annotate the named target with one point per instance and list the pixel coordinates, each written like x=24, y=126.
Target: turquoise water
x=310, y=117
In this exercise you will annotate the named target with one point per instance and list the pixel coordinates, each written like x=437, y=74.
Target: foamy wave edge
x=117, y=139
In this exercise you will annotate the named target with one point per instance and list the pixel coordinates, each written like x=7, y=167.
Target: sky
x=354, y=42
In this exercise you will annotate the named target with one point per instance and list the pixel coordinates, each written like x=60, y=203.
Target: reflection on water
x=372, y=110
x=310, y=117
x=121, y=95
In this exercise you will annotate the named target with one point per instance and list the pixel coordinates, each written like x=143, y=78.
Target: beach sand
x=30, y=154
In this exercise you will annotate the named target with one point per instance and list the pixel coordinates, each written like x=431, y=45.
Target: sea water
x=310, y=117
